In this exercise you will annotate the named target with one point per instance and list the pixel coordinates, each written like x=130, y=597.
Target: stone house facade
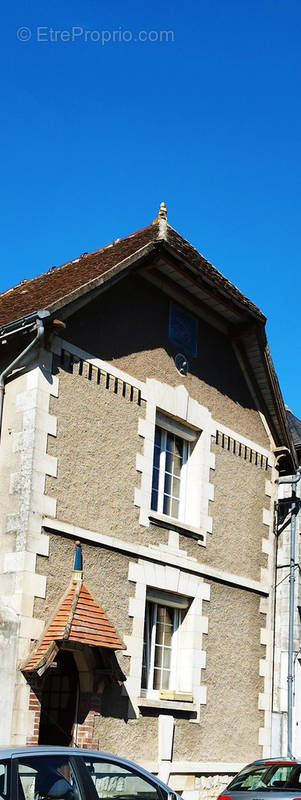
x=141, y=417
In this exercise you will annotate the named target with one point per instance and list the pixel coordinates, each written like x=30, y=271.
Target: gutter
x=22, y=323
x=39, y=316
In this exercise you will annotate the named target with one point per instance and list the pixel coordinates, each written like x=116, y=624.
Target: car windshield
x=268, y=777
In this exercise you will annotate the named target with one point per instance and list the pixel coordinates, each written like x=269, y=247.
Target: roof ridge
x=74, y=602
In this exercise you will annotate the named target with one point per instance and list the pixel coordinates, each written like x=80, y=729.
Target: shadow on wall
x=116, y=703
x=133, y=317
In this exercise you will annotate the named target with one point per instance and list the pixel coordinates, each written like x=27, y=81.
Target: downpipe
x=290, y=677
x=19, y=358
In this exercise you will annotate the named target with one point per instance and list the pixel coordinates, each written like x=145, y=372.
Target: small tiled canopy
x=79, y=619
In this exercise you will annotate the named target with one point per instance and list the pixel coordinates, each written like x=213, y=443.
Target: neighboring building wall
x=280, y=699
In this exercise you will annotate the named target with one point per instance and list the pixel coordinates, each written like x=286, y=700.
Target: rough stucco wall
x=139, y=345
x=105, y=575
x=135, y=739
x=230, y=721
x=235, y=544
x=96, y=445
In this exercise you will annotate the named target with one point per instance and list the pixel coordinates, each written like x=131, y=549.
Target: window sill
x=172, y=705
x=175, y=525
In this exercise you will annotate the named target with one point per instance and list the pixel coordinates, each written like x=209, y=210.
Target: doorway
x=59, y=701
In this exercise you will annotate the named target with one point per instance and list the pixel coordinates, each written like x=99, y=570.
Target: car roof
x=277, y=760
x=52, y=750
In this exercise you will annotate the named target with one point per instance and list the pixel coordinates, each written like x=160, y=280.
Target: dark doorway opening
x=59, y=701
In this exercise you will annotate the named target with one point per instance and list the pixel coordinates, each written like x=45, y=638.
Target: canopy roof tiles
x=80, y=619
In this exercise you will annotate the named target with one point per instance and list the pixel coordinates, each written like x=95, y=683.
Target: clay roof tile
x=78, y=619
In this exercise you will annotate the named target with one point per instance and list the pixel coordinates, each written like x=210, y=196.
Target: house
x=142, y=426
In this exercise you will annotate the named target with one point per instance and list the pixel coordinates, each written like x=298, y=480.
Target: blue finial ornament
x=78, y=560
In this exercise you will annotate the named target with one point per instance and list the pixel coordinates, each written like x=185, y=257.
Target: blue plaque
x=183, y=329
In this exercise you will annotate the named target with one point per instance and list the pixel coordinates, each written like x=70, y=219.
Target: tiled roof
x=78, y=619
x=49, y=287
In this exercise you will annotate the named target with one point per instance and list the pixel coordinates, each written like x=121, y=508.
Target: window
x=183, y=329
x=4, y=787
x=172, y=446
x=113, y=780
x=161, y=648
x=40, y=776
x=262, y=777
x=161, y=626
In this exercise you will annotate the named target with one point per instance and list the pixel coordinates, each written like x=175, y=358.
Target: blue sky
x=94, y=136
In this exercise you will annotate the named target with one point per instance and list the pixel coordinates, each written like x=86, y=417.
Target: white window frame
x=178, y=604
x=187, y=435
x=187, y=416
x=154, y=580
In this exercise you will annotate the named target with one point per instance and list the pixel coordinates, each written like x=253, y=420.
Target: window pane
x=154, y=502
x=177, y=466
x=165, y=635
x=167, y=483
x=155, y=478
x=38, y=775
x=158, y=436
x=167, y=658
x=159, y=634
x=174, y=509
x=167, y=505
x=175, y=488
x=170, y=442
x=165, y=679
x=157, y=679
x=4, y=787
x=157, y=451
x=158, y=656
x=168, y=463
x=114, y=780
x=178, y=446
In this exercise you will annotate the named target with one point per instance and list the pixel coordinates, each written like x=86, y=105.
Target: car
x=65, y=773
x=280, y=777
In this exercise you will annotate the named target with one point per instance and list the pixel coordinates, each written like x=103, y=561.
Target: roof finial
x=78, y=562
x=162, y=211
